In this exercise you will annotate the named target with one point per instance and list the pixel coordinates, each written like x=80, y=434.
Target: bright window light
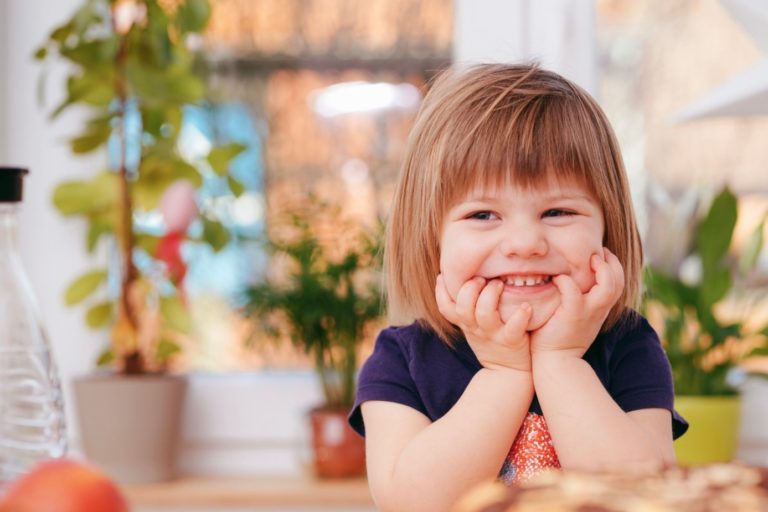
x=364, y=97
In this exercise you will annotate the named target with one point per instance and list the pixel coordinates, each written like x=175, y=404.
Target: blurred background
x=321, y=95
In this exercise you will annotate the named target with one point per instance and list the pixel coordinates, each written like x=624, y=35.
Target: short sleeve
x=641, y=376
x=385, y=376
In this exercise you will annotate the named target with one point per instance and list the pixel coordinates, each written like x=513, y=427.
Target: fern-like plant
x=324, y=303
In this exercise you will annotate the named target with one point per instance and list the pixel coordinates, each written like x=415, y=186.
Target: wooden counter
x=233, y=492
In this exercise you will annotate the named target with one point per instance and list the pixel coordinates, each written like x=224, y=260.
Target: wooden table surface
x=233, y=492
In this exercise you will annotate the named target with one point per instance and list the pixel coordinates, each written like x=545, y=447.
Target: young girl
x=512, y=244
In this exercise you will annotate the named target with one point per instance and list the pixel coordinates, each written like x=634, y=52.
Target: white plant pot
x=753, y=430
x=130, y=425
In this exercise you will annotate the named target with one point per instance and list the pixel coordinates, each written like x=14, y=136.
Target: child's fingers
x=445, y=303
x=487, y=308
x=570, y=292
x=517, y=323
x=609, y=278
x=466, y=300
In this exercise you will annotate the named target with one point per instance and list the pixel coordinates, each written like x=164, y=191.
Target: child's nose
x=524, y=242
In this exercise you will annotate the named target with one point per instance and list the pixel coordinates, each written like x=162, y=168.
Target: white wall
x=52, y=247
x=560, y=34
x=4, y=38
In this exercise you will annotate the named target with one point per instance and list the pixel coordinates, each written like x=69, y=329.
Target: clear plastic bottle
x=31, y=408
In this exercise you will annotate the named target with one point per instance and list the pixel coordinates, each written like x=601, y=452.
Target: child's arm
x=414, y=464
x=589, y=430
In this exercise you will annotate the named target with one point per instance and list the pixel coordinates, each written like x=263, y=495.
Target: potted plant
x=132, y=66
x=324, y=301
x=689, y=311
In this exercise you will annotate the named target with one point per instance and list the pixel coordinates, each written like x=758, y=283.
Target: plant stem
x=322, y=372
x=133, y=362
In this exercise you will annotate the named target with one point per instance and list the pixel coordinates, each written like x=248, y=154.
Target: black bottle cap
x=11, y=184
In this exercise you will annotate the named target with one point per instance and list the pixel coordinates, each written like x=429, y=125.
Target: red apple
x=64, y=485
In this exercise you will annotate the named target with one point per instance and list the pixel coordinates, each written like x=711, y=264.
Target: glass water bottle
x=31, y=410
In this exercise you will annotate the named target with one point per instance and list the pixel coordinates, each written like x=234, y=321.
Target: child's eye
x=482, y=215
x=557, y=212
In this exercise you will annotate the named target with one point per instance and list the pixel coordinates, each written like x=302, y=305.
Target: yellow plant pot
x=714, y=429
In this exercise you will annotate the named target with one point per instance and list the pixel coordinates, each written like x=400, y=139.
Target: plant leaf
x=97, y=228
x=667, y=290
x=157, y=174
x=99, y=315
x=41, y=53
x=166, y=349
x=106, y=358
x=215, y=234
x=235, y=186
x=80, y=197
x=72, y=197
x=221, y=156
x=760, y=351
x=175, y=314
x=148, y=242
x=715, y=231
x=89, y=142
x=61, y=33
x=715, y=287
x=83, y=286
x=752, y=249
x=193, y=15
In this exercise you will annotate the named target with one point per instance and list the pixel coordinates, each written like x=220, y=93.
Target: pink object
x=169, y=252
x=178, y=206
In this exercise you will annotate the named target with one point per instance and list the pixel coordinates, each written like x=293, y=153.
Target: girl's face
x=523, y=237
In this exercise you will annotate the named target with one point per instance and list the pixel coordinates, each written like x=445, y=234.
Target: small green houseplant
x=329, y=295
x=691, y=329
x=702, y=347
x=324, y=304
x=131, y=64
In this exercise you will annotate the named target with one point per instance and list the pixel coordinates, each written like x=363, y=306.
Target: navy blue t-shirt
x=410, y=365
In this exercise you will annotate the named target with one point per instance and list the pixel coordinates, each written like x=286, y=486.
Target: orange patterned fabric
x=531, y=452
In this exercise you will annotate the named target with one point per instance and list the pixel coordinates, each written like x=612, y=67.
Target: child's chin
x=541, y=313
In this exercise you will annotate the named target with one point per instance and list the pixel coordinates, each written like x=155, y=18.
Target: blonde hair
x=493, y=125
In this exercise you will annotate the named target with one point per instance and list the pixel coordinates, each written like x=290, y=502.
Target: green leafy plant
x=324, y=303
x=701, y=347
x=131, y=64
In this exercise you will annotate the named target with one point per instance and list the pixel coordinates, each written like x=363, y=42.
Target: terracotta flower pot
x=338, y=450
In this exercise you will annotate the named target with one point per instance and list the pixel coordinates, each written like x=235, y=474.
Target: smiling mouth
x=528, y=280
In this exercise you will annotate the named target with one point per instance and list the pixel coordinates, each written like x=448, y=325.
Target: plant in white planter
x=131, y=66
x=701, y=346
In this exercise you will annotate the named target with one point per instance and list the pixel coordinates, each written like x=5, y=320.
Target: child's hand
x=577, y=320
x=497, y=345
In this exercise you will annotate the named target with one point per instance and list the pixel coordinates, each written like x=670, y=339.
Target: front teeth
x=527, y=280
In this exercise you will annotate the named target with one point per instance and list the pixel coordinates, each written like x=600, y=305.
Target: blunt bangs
x=526, y=141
